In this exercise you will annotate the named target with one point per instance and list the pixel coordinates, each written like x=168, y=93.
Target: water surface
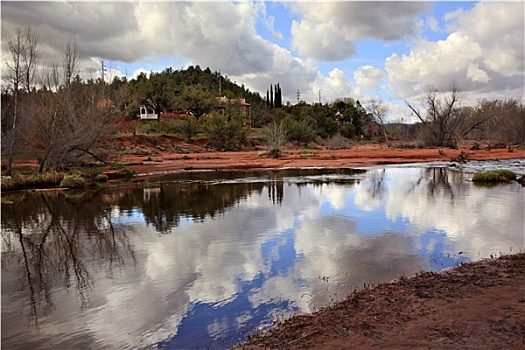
x=202, y=261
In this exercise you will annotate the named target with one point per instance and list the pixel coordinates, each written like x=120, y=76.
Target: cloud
x=484, y=53
x=368, y=77
x=335, y=84
x=499, y=29
x=327, y=31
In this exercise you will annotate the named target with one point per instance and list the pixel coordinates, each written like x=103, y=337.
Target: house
x=247, y=108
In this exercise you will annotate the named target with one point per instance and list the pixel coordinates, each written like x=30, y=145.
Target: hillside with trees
x=52, y=114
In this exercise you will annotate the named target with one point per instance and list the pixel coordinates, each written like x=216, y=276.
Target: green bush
x=348, y=130
x=301, y=131
x=125, y=173
x=189, y=128
x=226, y=131
x=494, y=176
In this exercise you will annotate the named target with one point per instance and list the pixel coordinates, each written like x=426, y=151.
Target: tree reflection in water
x=52, y=237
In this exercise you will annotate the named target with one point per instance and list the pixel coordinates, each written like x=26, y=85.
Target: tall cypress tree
x=271, y=96
x=278, y=97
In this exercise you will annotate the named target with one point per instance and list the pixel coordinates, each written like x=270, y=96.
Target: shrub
x=101, y=178
x=301, y=131
x=125, y=172
x=225, y=131
x=189, y=128
x=348, y=130
x=494, y=176
x=73, y=181
x=274, y=135
x=48, y=179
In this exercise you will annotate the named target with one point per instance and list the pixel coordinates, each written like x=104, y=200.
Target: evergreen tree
x=278, y=97
x=271, y=96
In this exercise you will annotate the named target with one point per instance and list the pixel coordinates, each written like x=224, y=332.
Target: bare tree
x=30, y=58
x=505, y=121
x=70, y=61
x=439, y=116
x=379, y=109
x=70, y=124
x=19, y=71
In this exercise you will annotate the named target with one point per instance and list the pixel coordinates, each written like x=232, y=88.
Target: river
x=203, y=259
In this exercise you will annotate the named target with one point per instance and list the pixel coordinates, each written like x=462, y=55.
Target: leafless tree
x=18, y=73
x=439, y=116
x=379, y=109
x=30, y=58
x=446, y=122
x=505, y=121
x=70, y=61
x=70, y=124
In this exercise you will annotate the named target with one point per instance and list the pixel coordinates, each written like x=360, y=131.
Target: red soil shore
x=170, y=155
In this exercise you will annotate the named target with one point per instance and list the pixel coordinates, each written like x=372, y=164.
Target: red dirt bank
x=474, y=306
x=170, y=155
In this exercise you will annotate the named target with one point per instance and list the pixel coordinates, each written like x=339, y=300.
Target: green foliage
x=225, y=129
x=191, y=89
x=348, y=130
x=494, y=176
x=125, y=172
x=196, y=99
x=301, y=131
x=189, y=128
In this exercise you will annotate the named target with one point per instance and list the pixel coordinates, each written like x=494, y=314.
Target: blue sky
x=366, y=50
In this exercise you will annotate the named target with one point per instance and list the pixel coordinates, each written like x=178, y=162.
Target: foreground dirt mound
x=474, y=306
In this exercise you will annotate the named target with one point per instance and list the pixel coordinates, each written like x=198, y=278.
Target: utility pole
x=298, y=96
x=220, y=84
x=103, y=70
x=319, y=96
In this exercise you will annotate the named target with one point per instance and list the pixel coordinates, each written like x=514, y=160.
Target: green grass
x=494, y=176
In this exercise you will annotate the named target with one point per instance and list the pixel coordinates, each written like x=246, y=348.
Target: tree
x=226, y=130
x=189, y=128
x=445, y=121
x=378, y=110
x=196, y=99
x=440, y=117
x=19, y=71
x=503, y=121
x=68, y=124
x=70, y=61
x=271, y=96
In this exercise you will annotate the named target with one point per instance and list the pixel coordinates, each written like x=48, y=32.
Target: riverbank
x=166, y=155
x=478, y=305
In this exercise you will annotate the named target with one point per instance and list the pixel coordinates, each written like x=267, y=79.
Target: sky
x=390, y=51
